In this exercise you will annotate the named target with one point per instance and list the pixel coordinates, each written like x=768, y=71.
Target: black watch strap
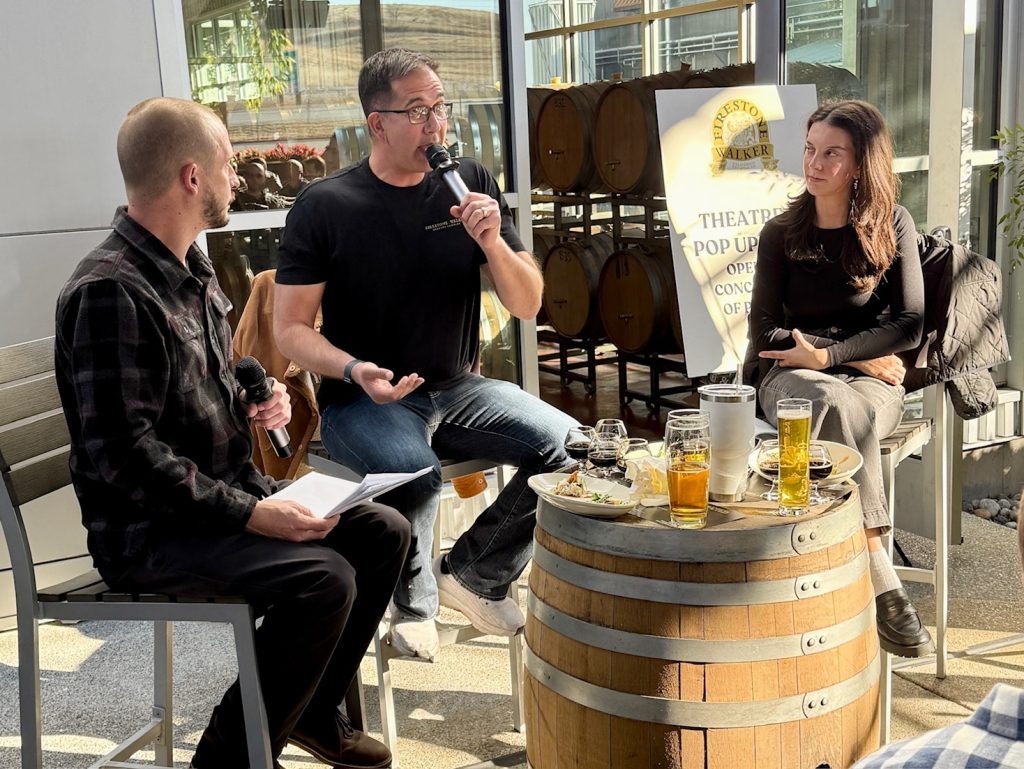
x=347, y=374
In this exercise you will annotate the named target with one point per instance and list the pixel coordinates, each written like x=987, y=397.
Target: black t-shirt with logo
x=402, y=274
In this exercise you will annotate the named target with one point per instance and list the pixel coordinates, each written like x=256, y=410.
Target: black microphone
x=253, y=378
x=444, y=166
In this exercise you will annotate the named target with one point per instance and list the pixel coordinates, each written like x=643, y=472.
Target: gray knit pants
x=847, y=408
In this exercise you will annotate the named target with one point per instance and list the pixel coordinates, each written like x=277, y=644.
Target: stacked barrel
x=601, y=141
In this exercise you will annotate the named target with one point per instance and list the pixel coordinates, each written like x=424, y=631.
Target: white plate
x=544, y=484
x=845, y=462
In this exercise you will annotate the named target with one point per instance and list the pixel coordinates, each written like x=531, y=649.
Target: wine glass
x=603, y=453
x=577, y=443
x=820, y=461
x=768, y=463
x=612, y=428
x=632, y=448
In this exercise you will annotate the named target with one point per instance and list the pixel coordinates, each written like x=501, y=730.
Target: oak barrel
x=565, y=128
x=750, y=643
x=535, y=98
x=627, y=146
x=637, y=300
x=544, y=239
x=572, y=273
x=721, y=77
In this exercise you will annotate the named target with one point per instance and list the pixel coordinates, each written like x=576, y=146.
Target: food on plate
x=575, y=486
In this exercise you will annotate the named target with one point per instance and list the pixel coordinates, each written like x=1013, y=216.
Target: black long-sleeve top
x=816, y=297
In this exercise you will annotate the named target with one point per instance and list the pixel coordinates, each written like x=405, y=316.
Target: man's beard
x=214, y=214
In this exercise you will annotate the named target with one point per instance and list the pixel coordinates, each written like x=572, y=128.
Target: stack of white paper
x=327, y=496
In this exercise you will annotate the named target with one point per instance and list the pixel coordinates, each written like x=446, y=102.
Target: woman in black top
x=837, y=293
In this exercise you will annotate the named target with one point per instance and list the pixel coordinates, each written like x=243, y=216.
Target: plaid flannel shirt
x=990, y=739
x=159, y=439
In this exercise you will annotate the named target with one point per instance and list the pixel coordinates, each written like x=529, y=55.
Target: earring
x=853, y=200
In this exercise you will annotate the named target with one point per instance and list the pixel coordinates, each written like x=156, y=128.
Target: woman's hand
x=802, y=354
x=888, y=368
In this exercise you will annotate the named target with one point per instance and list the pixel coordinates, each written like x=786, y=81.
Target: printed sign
x=732, y=159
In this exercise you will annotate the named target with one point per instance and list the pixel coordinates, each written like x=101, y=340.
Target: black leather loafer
x=900, y=631
x=343, y=746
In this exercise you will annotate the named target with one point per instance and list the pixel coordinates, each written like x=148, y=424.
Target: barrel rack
x=629, y=220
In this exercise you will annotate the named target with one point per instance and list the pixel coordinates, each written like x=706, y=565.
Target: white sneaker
x=415, y=638
x=488, y=616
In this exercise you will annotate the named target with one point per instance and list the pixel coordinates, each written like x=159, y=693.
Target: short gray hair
x=382, y=69
x=157, y=138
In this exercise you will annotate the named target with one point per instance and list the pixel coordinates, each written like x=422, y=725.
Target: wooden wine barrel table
x=750, y=643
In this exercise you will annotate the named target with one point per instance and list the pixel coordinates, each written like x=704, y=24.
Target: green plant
x=1011, y=166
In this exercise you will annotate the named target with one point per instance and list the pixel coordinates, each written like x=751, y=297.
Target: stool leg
x=942, y=459
x=884, y=697
x=163, y=687
x=385, y=695
x=515, y=661
x=257, y=734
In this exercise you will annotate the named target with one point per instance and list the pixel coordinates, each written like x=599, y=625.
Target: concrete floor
x=457, y=711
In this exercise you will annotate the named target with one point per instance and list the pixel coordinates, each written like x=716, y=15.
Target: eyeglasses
x=417, y=115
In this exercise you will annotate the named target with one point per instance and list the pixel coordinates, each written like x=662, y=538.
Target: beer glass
x=794, y=418
x=688, y=454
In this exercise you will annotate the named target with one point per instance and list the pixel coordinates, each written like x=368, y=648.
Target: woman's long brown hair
x=873, y=249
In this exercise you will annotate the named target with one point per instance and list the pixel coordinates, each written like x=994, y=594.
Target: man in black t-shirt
x=397, y=269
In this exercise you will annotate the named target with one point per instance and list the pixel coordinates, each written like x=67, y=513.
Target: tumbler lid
x=727, y=393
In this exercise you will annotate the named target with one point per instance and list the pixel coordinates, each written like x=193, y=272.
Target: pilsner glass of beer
x=794, y=418
x=688, y=453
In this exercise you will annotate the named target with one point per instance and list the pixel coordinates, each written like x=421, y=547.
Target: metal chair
x=447, y=634
x=930, y=437
x=34, y=455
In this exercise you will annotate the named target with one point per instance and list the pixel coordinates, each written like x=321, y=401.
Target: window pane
x=914, y=196
x=466, y=41
x=661, y=5
x=544, y=61
x=986, y=74
x=983, y=211
x=702, y=40
x=602, y=54
x=283, y=79
x=876, y=51
x=543, y=14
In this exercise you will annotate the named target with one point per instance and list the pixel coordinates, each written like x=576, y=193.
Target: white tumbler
x=731, y=408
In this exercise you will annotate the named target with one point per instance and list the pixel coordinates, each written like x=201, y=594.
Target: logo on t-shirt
x=446, y=225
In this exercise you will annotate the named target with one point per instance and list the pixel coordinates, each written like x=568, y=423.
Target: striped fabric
x=990, y=739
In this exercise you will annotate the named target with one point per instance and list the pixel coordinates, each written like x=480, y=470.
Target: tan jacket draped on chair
x=255, y=336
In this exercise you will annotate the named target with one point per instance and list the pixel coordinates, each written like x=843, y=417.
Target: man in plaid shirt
x=161, y=451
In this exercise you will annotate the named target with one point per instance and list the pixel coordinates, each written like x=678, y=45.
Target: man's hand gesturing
x=376, y=382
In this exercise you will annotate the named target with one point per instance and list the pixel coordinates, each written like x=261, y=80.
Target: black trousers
x=320, y=603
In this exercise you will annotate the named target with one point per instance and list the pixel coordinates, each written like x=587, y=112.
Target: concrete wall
x=71, y=72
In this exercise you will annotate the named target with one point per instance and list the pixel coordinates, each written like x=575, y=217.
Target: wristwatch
x=347, y=374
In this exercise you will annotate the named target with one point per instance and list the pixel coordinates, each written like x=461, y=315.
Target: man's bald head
x=159, y=137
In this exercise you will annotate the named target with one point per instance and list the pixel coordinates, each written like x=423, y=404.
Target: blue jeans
x=471, y=418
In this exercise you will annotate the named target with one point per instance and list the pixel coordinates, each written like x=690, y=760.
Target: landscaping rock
x=982, y=512
x=1004, y=502
x=989, y=504
x=1012, y=525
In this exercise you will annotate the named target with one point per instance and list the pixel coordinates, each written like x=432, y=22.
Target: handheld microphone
x=253, y=378
x=444, y=166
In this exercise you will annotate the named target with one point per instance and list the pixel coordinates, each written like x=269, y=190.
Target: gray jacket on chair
x=963, y=326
